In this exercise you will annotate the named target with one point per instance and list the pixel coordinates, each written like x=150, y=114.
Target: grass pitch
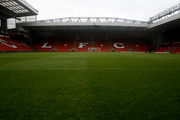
x=89, y=86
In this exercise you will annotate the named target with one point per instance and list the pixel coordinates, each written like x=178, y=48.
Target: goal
x=94, y=49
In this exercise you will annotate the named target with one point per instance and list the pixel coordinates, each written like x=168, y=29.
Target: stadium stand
x=177, y=50
x=87, y=34
x=15, y=10
x=169, y=48
x=65, y=44
x=8, y=44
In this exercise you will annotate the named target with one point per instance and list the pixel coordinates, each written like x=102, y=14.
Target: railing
x=92, y=20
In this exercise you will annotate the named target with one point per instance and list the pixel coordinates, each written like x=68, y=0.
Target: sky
x=129, y=9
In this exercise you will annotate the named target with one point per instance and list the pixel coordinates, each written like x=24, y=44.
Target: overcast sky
x=130, y=9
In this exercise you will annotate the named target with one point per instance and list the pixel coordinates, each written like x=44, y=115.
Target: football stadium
x=88, y=68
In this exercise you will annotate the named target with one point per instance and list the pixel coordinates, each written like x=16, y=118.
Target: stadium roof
x=166, y=13
x=16, y=8
x=166, y=16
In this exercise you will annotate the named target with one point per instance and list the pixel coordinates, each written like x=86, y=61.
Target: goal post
x=94, y=49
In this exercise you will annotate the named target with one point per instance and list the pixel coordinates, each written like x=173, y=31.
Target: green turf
x=89, y=86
